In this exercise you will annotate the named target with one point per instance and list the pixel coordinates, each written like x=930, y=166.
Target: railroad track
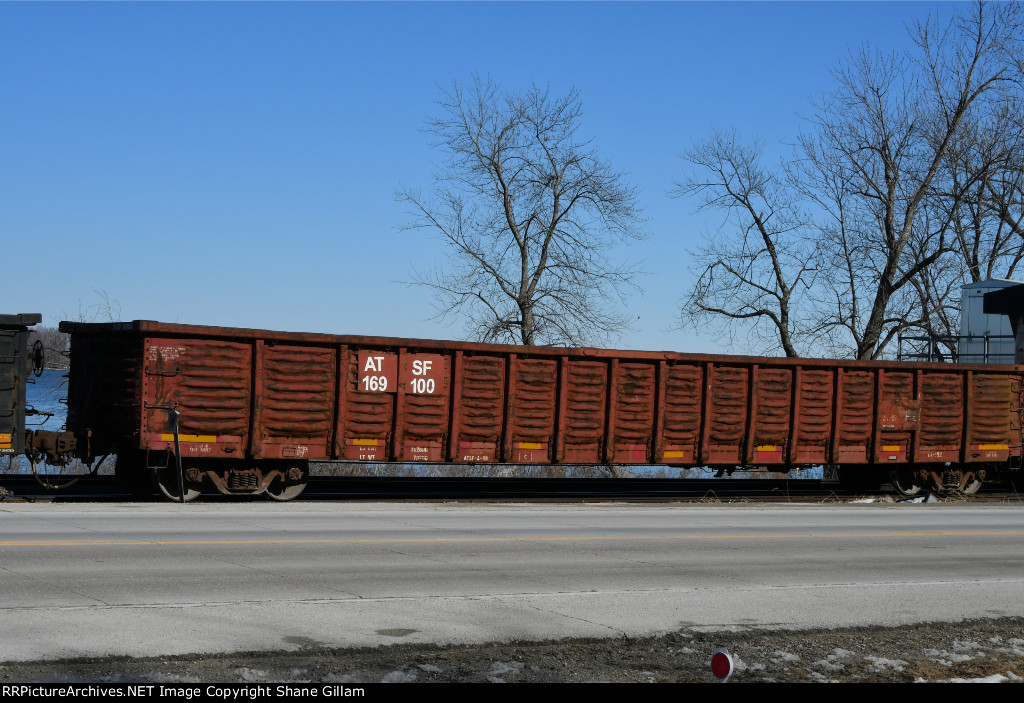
x=106, y=489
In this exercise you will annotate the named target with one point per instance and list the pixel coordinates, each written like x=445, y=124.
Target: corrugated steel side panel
x=942, y=417
x=815, y=401
x=294, y=411
x=585, y=412
x=478, y=409
x=773, y=401
x=993, y=399
x=434, y=401
x=727, y=414
x=209, y=382
x=365, y=420
x=632, y=414
x=855, y=417
x=533, y=396
x=684, y=404
x=421, y=423
x=896, y=416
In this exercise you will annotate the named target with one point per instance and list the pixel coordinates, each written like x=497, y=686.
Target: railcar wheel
x=972, y=486
x=166, y=479
x=56, y=477
x=971, y=481
x=904, y=482
x=289, y=486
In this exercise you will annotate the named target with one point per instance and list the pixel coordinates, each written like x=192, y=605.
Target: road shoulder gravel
x=977, y=650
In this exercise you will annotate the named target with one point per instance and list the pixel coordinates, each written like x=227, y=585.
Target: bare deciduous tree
x=104, y=310
x=752, y=275
x=891, y=128
x=910, y=168
x=531, y=215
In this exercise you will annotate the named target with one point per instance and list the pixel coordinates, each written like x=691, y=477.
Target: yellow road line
x=396, y=540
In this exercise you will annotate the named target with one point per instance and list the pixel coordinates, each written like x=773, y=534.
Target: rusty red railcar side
x=255, y=406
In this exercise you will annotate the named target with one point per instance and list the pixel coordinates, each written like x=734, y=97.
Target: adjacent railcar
x=248, y=409
x=16, y=363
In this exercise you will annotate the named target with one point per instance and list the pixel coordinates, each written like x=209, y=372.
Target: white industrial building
x=984, y=339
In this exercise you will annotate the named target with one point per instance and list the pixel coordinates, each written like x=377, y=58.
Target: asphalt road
x=160, y=579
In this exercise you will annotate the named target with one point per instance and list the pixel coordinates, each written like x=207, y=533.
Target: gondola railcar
x=244, y=411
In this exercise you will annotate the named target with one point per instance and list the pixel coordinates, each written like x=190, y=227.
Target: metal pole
x=177, y=456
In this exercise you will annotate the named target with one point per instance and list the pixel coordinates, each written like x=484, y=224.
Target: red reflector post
x=721, y=664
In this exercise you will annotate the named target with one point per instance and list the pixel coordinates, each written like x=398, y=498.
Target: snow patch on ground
x=399, y=676
x=883, y=663
x=820, y=678
x=740, y=665
x=249, y=675
x=945, y=658
x=499, y=669
x=994, y=678
x=966, y=645
x=173, y=678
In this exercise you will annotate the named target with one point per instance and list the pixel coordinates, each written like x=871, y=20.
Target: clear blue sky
x=235, y=164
